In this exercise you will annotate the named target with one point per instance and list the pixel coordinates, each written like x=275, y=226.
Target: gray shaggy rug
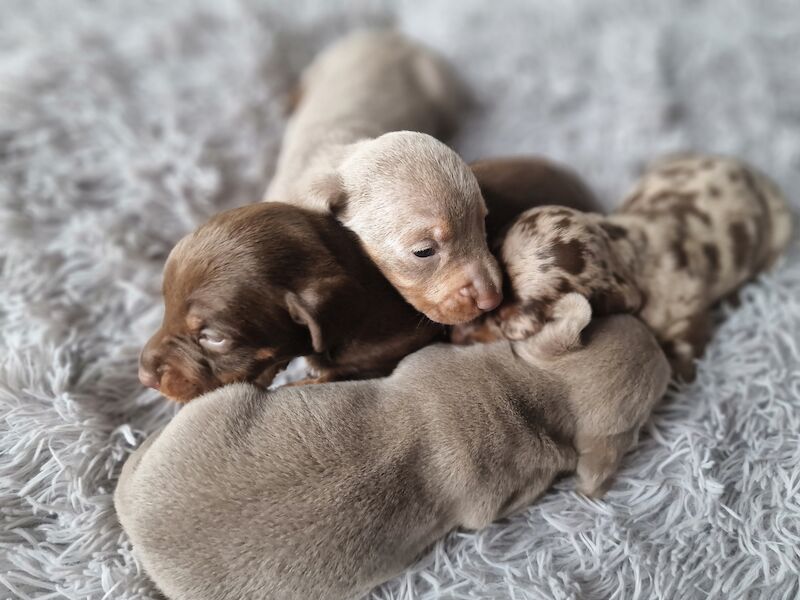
x=123, y=125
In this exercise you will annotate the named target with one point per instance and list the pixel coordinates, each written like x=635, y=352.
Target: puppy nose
x=148, y=378
x=486, y=297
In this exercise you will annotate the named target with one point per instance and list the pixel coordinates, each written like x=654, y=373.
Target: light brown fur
x=327, y=491
x=692, y=231
x=360, y=145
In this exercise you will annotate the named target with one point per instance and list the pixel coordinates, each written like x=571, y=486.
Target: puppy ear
x=326, y=192
x=303, y=312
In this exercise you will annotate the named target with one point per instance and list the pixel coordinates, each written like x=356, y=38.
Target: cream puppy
x=360, y=145
x=326, y=491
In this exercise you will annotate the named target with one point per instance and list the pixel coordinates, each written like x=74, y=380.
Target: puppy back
x=617, y=374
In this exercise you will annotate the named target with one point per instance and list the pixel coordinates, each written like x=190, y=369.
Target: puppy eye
x=213, y=340
x=424, y=252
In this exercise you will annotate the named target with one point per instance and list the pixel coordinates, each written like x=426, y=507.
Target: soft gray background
x=124, y=125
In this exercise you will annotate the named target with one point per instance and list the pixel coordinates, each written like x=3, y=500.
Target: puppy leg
x=685, y=342
x=483, y=330
x=599, y=458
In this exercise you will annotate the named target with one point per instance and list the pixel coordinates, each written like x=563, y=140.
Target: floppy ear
x=325, y=191
x=320, y=307
x=303, y=312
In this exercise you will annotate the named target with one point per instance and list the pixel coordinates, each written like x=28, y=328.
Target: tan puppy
x=691, y=232
x=327, y=491
x=358, y=145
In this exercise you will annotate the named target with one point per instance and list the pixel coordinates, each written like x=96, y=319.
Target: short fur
x=692, y=231
x=298, y=254
x=326, y=491
x=512, y=185
x=360, y=145
x=277, y=282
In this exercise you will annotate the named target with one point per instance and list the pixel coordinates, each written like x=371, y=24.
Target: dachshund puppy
x=259, y=285
x=692, y=231
x=359, y=145
x=326, y=491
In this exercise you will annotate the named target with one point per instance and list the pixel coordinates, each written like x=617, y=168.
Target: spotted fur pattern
x=693, y=230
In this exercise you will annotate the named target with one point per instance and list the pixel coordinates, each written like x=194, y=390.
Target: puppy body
x=360, y=145
x=326, y=491
x=512, y=185
x=368, y=84
x=692, y=231
x=272, y=282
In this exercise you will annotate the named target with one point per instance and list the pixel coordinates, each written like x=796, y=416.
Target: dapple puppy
x=325, y=491
x=693, y=230
x=259, y=285
x=360, y=145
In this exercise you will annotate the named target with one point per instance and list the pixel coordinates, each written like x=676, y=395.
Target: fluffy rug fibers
x=123, y=125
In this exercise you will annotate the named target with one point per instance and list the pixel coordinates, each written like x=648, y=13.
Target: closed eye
x=213, y=340
x=424, y=252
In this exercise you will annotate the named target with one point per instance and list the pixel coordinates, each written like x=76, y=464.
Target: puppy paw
x=480, y=331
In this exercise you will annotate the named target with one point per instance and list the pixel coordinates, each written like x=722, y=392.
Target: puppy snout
x=486, y=297
x=484, y=286
x=149, y=378
x=149, y=371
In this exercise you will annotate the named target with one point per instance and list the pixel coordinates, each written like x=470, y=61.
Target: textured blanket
x=123, y=125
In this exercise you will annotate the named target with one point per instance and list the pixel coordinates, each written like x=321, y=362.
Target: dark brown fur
x=511, y=186
x=279, y=282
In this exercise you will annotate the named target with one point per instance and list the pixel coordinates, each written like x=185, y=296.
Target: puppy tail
x=571, y=314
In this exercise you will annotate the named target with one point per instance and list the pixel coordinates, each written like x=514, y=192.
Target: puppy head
x=244, y=294
x=418, y=210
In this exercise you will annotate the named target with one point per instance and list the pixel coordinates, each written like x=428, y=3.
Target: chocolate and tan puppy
x=359, y=145
x=259, y=285
x=691, y=232
x=325, y=491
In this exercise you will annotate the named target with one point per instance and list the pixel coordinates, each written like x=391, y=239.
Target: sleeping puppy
x=326, y=491
x=359, y=145
x=259, y=285
x=692, y=231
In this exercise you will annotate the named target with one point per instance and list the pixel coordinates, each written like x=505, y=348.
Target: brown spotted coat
x=693, y=230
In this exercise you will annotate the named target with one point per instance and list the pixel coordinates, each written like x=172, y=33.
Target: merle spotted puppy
x=693, y=230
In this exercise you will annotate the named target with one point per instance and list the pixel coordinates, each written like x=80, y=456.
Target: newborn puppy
x=326, y=491
x=691, y=232
x=358, y=146
x=259, y=285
